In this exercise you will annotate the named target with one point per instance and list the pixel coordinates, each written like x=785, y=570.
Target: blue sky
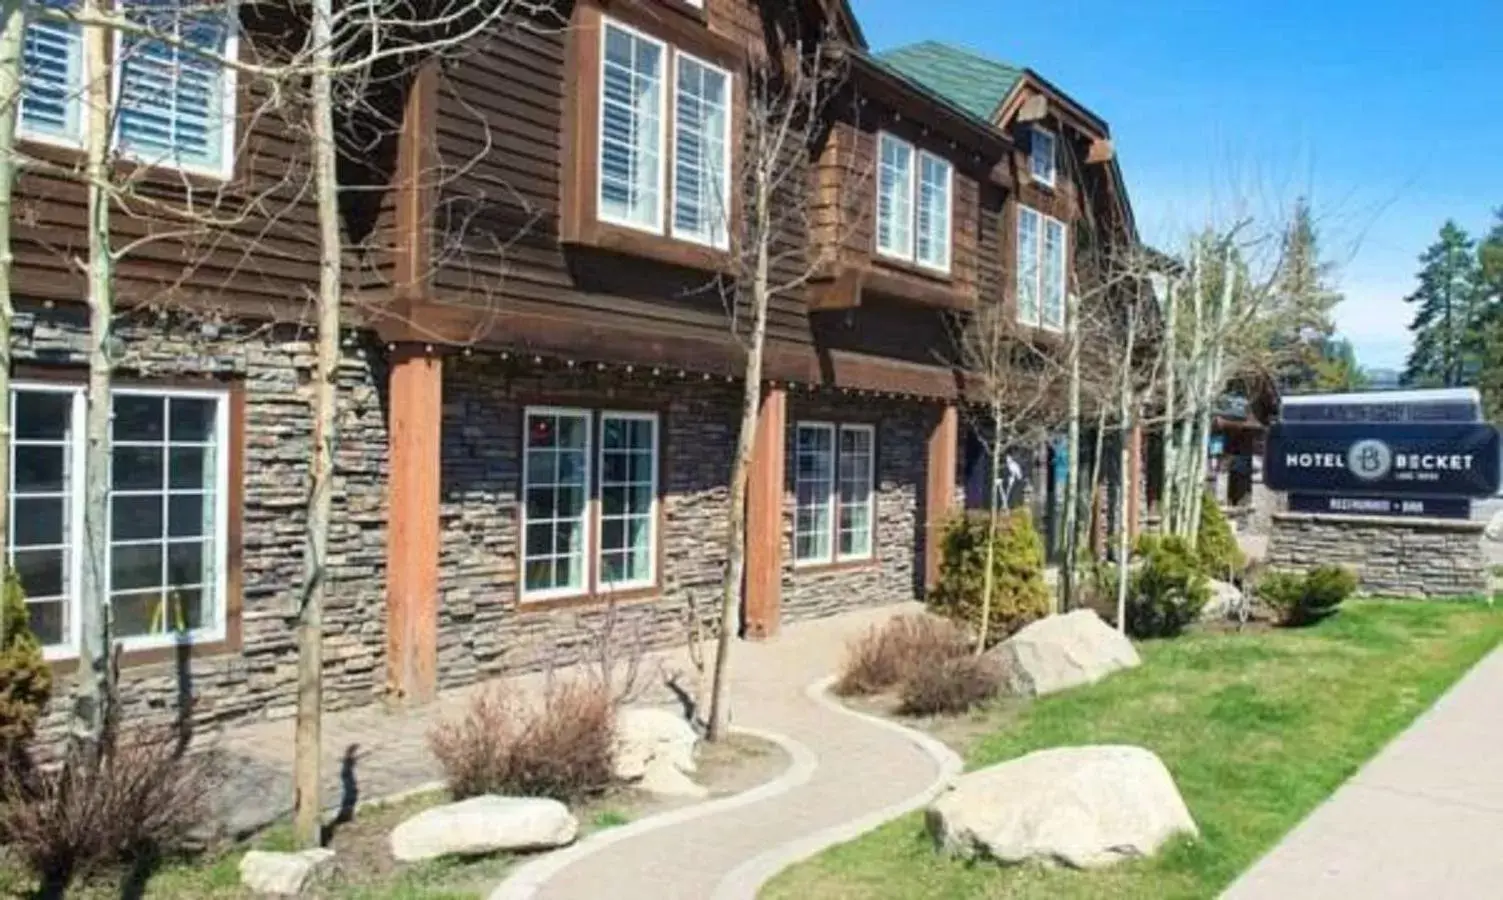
x=1383, y=112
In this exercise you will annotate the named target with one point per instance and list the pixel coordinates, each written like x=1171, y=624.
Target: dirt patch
x=363, y=868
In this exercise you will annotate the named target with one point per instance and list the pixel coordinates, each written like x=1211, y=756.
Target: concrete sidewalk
x=860, y=769
x=1422, y=820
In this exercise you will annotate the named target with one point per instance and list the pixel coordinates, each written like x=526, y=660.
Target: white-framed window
x=632, y=90
x=175, y=107
x=701, y=151
x=894, y=197
x=1041, y=269
x=854, y=466
x=628, y=499
x=52, y=81
x=914, y=201
x=1042, y=156
x=555, y=502
x=834, y=503
x=167, y=520
x=637, y=73
x=565, y=501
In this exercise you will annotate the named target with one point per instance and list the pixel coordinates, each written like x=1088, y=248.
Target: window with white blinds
x=52, y=78
x=1041, y=269
x=175, y=106
x=665, y=139
x=702, y=133
x=914, y=190
x=631, y=126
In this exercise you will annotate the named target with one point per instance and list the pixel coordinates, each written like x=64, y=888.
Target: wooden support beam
x=414, y=195
x=415, y=430
x=1101, y=151
x=764, y=519
x=1034, y=109
x=939, y=494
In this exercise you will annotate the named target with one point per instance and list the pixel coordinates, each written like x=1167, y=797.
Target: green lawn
x=1257, y=728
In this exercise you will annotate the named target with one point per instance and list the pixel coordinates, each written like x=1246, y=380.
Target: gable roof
x=975, y=83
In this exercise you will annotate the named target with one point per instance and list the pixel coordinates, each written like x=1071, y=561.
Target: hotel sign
x=1385, y=460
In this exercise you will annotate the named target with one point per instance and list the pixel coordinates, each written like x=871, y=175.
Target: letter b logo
x=1369, y=460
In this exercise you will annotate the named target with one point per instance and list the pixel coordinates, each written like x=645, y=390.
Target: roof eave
x=986, y=137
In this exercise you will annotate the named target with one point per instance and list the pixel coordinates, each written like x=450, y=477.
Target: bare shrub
x=562, y=747
x=139, y=799
x=886, y=655
x=949, y=686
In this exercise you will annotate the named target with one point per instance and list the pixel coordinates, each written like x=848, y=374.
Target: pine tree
x=1448, y=312
x=1490, y=290
x=1305, y=283
x=1337, y=368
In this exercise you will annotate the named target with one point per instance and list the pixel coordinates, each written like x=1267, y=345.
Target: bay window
x=174, y=107
x=166, y=522
x=914, y=191
x=565, y=504
x=640, y=141
x=833, y=498
x=1041, y=270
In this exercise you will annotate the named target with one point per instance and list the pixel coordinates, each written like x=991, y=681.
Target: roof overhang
x=923, y=105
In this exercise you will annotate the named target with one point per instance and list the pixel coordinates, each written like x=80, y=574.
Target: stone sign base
x=1393, y=557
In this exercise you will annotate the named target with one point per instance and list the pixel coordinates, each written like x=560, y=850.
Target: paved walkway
x=846, y=769
x=859, y=768
x=1422, y=820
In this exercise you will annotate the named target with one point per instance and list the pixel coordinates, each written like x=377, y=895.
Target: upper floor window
x=914, y=191
x=1041, y=269
x=174, y=106
x=52, y=76
x=1042, y=157
x=166, y=528
x=637, y=145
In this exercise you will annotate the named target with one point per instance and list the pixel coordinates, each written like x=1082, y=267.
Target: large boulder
x=281, y=874
x=1083, y=807
x=1226, y=599
x=655, y=752
x=485, y=824
x=1061, y=652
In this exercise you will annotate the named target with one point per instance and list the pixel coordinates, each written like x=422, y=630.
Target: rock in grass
x=1061, y=652
x=1083, y=807
x=645, y=735
x=281, y=874
x=485, y=824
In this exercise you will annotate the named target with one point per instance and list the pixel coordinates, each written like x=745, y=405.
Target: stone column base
x=1393, y=557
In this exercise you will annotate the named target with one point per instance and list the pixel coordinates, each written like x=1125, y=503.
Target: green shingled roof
x=973, y=82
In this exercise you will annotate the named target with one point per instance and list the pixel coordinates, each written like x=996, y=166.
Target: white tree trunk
x=1124, y=415
x=94, y=691
x=307, y=804
x=1072, y=478
x=1171, y=387
x=751, y=401
x=989, y=578
x=13, y=23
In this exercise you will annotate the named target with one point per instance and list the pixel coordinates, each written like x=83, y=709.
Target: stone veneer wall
x=483, y=629
x=896, y=572
x=1393, y=557
x=275, y=367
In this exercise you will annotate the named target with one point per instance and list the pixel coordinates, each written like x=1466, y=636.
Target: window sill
x=916, y=269
x=651, y=245
x=632, y=597
x=828, y=568
x=153, y=655
x=916, y=286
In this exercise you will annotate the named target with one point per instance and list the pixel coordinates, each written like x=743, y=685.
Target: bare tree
x=1012, y=385
x=787, y=96
x=12, y=46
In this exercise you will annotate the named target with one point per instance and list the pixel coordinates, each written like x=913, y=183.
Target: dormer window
x=914, y=191
x=641, y=141
x=1042, y=157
